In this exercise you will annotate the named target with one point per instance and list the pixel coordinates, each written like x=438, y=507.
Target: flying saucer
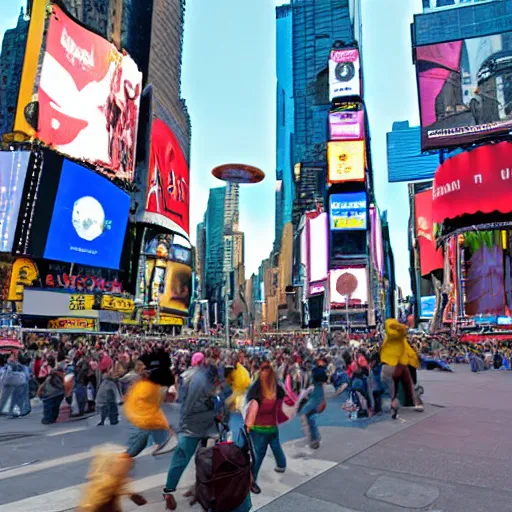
x=238, y=173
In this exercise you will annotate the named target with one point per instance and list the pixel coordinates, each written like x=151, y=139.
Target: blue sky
x=229, y=84
x=233, y=115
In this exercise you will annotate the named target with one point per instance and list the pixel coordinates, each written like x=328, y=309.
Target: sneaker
x=101, y=424
x=167, y=446
x=170, y=502
x=314, y=445
x=419, y=408
x=279, y=470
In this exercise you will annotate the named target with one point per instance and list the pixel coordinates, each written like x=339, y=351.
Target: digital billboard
x=465, y=90
x=177, y=289
x=89, y=219
x=473, y=181
x=351, y=282
x=167, y=198
x=427, y=306
x=89, y=95
x=377, y=243
x=346, y=161
x=346, y=122
x=431, y=258
x=348, y=211
x=344, y=71
x=13, y=170
x=318, y=247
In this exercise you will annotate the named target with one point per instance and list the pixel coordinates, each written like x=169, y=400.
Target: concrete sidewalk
x=458, y=459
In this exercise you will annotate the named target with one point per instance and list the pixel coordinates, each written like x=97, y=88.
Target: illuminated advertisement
x=89, y=219
x=24, y=273
x=351, y=282
x=344, y=70
x=431, y=258
x=473, y=181
x=178, y=287
x=376, y=240
x=347, y=122
x=89, y=96
x=346, y=161
x=427, y=306
x=81, y=302
x=167, y=199
x=318, y=247
x=13, y=170
x=348, y=211
x=465, y=90
x=72, y=324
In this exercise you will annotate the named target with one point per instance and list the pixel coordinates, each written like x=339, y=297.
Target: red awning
x=474, y=181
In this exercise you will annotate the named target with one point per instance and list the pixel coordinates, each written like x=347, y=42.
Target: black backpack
x=223, y=476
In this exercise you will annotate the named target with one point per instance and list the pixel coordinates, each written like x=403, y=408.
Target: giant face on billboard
x=89, y=219
x=346, y=161
x=344, y=70
x=346, y=122
x=13, y=170
x=348, y=211
x=89, y=95
x=465, y=90
x=168, y=180
x=351, y=283
x=178, y=288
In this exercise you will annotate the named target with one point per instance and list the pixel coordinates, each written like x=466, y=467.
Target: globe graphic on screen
x=88, y=218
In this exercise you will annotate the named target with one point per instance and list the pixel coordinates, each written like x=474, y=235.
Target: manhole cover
x=402, y=493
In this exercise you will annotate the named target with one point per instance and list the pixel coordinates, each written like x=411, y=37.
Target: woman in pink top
x=264, y=414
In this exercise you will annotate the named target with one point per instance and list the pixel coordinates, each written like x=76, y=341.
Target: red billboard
x=168, y=180
x=430, y=258
x=474, y=181
x=89, y=95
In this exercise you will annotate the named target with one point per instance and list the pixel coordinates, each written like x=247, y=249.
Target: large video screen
x=344, y=71
x=465, y=90
x=89, y=219
x=89, y=96
x=346, y=160
x=178, y=288
x=346, y=122
x=318, y=248
x=13, y=171
x=168, y=181
x=348, y=211
x=351, y=283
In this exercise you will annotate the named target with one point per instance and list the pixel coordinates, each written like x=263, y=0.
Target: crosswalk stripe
x=300, y=470
x=52, y=463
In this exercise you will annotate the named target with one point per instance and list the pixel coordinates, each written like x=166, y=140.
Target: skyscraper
x=200, y=257
x=306, y=31
x=214, y=226
x=11, y=66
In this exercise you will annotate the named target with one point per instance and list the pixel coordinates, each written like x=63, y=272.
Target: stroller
x=223, y=474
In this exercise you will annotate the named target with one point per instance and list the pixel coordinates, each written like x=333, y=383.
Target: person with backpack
x=197, y=420
x=52, y=393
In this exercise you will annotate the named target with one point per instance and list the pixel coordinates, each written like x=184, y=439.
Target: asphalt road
x=455, y=456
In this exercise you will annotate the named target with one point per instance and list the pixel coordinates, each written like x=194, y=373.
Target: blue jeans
x=139, y=439
x=185, y=450
x=51, y=408
x=309, y=411
x=261, y=441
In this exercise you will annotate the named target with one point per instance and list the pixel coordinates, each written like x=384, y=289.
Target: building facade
x=11, y=66
x=406, y=162
x=214, y=230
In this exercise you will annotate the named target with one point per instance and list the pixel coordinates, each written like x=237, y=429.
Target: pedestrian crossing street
x=302, y=467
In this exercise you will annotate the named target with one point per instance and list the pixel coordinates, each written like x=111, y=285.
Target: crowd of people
x=249, y=392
